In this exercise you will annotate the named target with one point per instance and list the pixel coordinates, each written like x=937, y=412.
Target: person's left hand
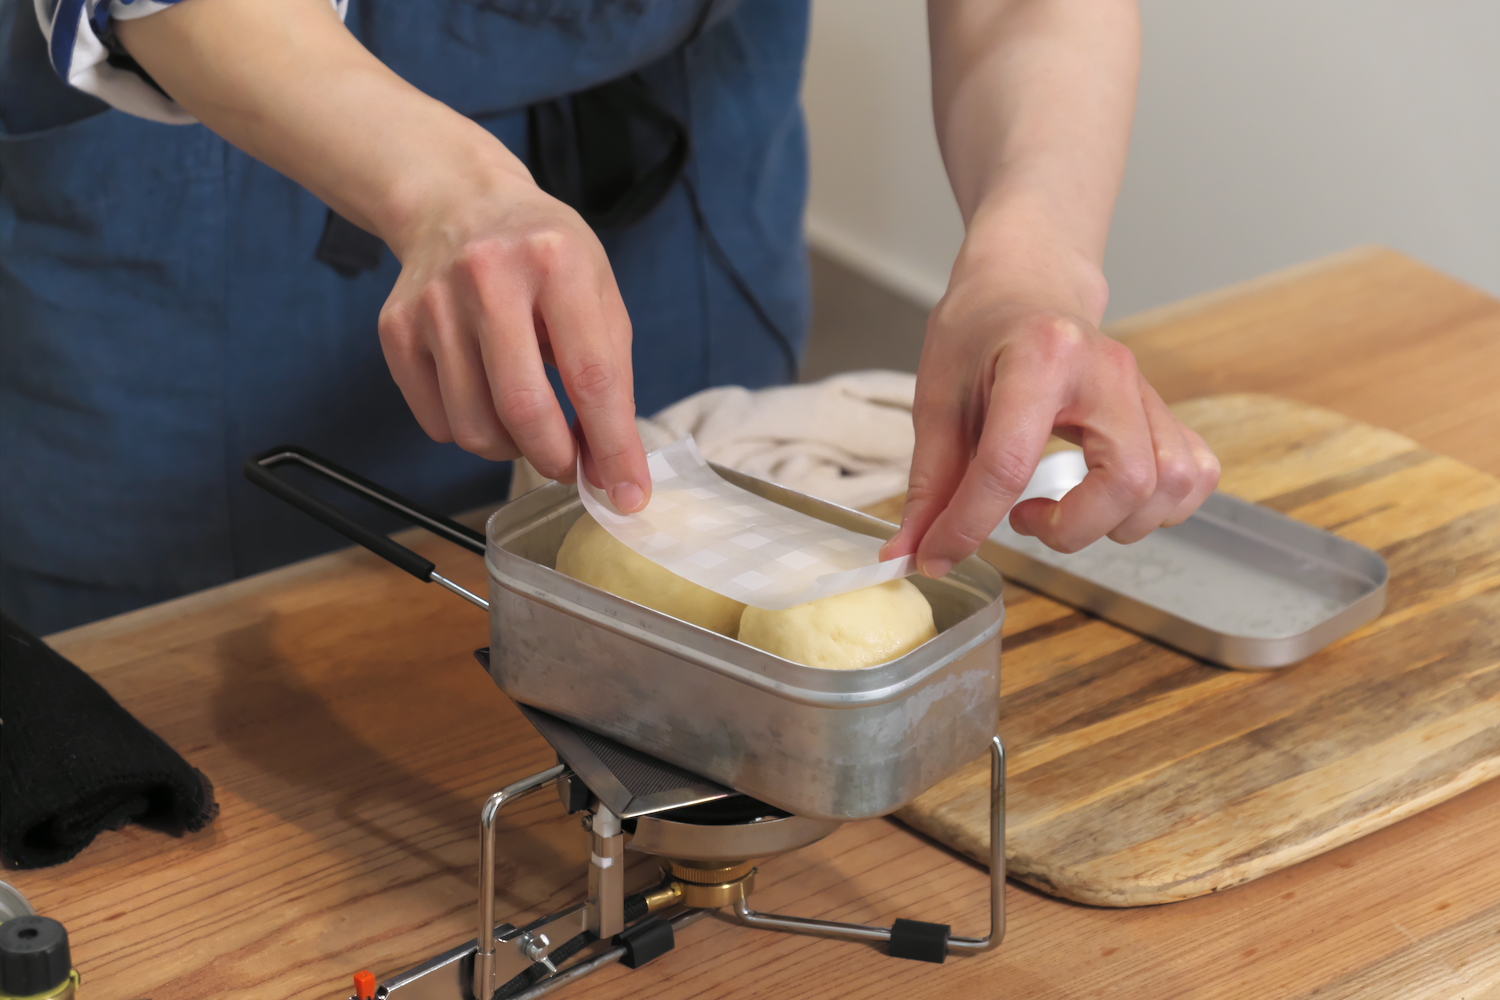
x=1006, y=364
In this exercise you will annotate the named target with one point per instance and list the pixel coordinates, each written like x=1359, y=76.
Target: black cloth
x=74, y=763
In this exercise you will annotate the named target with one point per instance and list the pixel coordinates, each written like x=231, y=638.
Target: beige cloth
x=847, y=439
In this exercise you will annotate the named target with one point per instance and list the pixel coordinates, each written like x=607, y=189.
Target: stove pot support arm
x=911, y=939
x=484, y=960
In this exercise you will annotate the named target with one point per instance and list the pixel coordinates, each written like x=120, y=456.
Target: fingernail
x=935, y=568
x=627, y=497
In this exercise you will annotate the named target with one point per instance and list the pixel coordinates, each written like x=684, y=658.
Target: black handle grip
x=258, y=471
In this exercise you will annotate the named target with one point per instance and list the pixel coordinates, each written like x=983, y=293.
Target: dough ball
x=593, y=555
x=857, y=629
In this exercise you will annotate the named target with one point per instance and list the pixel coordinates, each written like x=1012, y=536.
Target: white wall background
x=1267, y=133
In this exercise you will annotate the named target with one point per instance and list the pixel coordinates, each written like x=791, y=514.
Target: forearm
x=286, y=82
x=498, y=279
x=1032, y=101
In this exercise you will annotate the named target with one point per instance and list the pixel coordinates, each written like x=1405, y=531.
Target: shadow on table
x=344, y=750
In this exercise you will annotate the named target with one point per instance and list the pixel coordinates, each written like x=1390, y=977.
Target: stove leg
x=606, y=905
x=484, y=960
x=967, y=945
x=864, y=932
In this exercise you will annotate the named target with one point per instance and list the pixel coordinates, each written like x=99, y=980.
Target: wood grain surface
x=1140, y=775
x=352, y=741
x=1369, y=333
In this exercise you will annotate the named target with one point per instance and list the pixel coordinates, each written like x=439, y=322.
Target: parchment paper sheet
x=735, y=543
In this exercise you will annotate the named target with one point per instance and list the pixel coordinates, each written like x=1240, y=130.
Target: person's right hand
x=494, y=285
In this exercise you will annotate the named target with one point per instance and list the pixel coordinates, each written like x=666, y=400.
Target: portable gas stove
x=825, y=746
x=708, y=837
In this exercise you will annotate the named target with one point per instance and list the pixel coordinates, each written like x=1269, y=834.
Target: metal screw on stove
x=534, y=947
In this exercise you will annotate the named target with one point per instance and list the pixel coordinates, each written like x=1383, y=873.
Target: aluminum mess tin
x=1237, y=583
x=826, y=744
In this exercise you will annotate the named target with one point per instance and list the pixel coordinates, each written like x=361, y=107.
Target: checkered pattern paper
x=738, y=544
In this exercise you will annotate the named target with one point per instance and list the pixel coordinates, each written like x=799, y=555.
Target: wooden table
x=352, y=741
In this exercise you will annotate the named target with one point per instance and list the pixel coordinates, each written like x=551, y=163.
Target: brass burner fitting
x=669, y=893
x=709, y=872
x=712, y=884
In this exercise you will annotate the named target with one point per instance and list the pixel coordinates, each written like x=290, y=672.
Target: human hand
x=1032, y=102
x=495, y=284
x=1002, y=370
x=498, y=279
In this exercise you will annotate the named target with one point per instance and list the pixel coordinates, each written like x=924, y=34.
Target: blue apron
x=162, y=315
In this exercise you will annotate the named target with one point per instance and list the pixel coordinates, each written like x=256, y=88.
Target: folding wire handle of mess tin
x=258, y=471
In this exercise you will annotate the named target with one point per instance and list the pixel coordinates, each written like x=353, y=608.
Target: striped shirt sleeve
x=75, y=30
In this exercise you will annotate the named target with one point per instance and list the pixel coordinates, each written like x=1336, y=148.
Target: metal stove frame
x=476, y=970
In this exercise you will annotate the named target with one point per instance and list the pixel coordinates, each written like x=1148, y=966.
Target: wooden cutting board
x=1140, y=775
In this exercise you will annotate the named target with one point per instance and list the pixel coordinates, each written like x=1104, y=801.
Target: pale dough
x=857, y=629
x=596, y=557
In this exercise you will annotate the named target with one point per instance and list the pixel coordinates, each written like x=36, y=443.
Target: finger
x=1019, y=417
x=1117, y=447
x=590, y=335
x=413, y=368
x=517, y=376
x=1208, y=472
x=467, y=402
x=1176, y=470
x=939, y=458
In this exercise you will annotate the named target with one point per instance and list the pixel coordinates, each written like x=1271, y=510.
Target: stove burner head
x=666, y=836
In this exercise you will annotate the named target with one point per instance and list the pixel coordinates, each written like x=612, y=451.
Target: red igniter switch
x=364, y=985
